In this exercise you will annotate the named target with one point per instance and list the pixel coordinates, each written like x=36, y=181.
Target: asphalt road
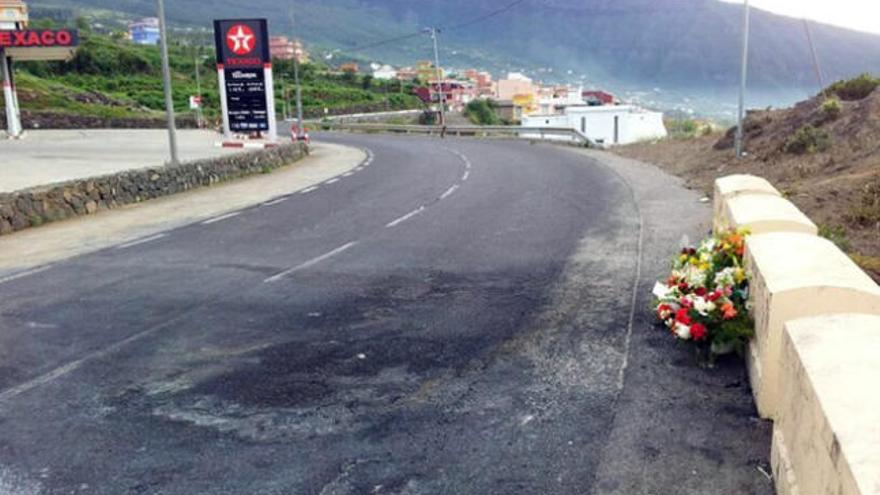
x=452, y=317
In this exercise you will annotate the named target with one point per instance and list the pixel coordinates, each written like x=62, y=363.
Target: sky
x=863, y=15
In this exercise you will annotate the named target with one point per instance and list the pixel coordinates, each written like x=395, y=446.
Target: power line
x=485, y=17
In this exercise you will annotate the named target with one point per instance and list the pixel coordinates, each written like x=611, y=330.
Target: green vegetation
x=111, y=77
x=836, y=234
x=808, y=140
x=854, y=89
x=482, y=112
x=687, y=128
x=866, y=210
x=831, y=109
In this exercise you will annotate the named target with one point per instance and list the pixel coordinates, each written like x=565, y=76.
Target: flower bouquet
x=705, y=299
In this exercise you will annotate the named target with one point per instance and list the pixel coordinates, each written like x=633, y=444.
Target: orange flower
x=729, y=311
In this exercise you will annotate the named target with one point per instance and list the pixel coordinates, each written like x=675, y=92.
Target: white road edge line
x=312, y=262
x=23, y=274
x=449, y=192
x=221, y=218
x=310, y=189
x=405, y=217
x=276, y=201
x=466, y=176
x=332, y=181
x=141, y=241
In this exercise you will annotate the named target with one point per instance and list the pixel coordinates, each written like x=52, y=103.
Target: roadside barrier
x=560, y=134
x=814, y=364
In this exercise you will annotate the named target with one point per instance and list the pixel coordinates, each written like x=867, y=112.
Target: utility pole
x=299, y=107
x=816, y=66
x=441, y=94
x=166, y=75
x=743, y=79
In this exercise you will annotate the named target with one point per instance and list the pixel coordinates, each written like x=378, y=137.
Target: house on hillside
x=605, y=125
x=384, y=73
x=13, y=14
x=144, y=31
x=596, y=97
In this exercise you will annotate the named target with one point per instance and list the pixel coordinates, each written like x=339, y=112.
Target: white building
x=384, y=73
x=605, y=125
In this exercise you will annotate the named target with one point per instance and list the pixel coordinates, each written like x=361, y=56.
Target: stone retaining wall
x=815, y=362
x=35, y=206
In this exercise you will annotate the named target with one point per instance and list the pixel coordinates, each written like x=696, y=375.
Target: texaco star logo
x=240, y=39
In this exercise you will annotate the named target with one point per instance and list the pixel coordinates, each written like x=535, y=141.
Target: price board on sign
x=244, y=70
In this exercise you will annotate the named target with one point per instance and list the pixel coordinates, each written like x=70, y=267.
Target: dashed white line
x=332, y=181
x=312, y=262
x=348, y=174
x=449, y=192
x=23, y=274
x=308, y=190
x=140, y=241
x=466, y=176
x=221, y=218
x=277, y=201
x=405, y=217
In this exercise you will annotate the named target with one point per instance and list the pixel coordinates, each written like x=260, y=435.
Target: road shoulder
x=35, y=247
x=678, y=428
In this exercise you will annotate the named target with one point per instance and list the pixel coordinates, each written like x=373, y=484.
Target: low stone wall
x=32, y=207
x=803, y=287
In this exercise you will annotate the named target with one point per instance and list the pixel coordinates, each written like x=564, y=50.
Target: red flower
x=714, y=296
x=683, y=317
x=701, y=291
x=686, y=303
x=698, y=332
x=683, y=287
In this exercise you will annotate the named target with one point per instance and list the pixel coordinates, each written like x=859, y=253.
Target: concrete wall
x=815, y=362
x=599, y=123
x=33, y=207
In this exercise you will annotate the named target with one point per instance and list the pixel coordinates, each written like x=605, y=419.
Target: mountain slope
x=689, y=48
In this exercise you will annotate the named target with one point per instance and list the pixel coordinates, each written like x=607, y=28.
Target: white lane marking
x=359, y=168
x=221, y=218
x=466, y=176
x=23, y=274
x=72, y=366
x=348, y=174
x=312, y=262
x=141, y=241
x=405, y=217
x=332, y=181
x=449, y=192
x=277, y=201
x=308, y=190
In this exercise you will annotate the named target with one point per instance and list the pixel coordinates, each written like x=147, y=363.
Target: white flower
x=703, y=306
x=695, y=277
x=683, y=331
x=725, y=278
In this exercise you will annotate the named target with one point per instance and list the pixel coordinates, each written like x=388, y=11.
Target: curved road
x=450, y=317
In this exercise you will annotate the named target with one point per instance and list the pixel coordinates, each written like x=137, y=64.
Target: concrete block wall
x=817, y=344
x=33, y=207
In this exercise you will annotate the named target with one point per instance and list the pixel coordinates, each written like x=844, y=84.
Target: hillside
x=687, y=46
x=823, y=153
x=113, y=79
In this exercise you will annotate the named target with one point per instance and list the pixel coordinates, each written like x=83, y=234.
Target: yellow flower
x=739, y=275
x=694, y=260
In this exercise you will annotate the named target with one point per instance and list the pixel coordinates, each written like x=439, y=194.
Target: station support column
x=13, y=118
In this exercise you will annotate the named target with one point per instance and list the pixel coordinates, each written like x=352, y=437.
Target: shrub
x=482, y=112
x=808, y=140
x=831, y=109
x=854, y=89
x=866, y=211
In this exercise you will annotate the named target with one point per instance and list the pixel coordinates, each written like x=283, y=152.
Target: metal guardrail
x=557, y=134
